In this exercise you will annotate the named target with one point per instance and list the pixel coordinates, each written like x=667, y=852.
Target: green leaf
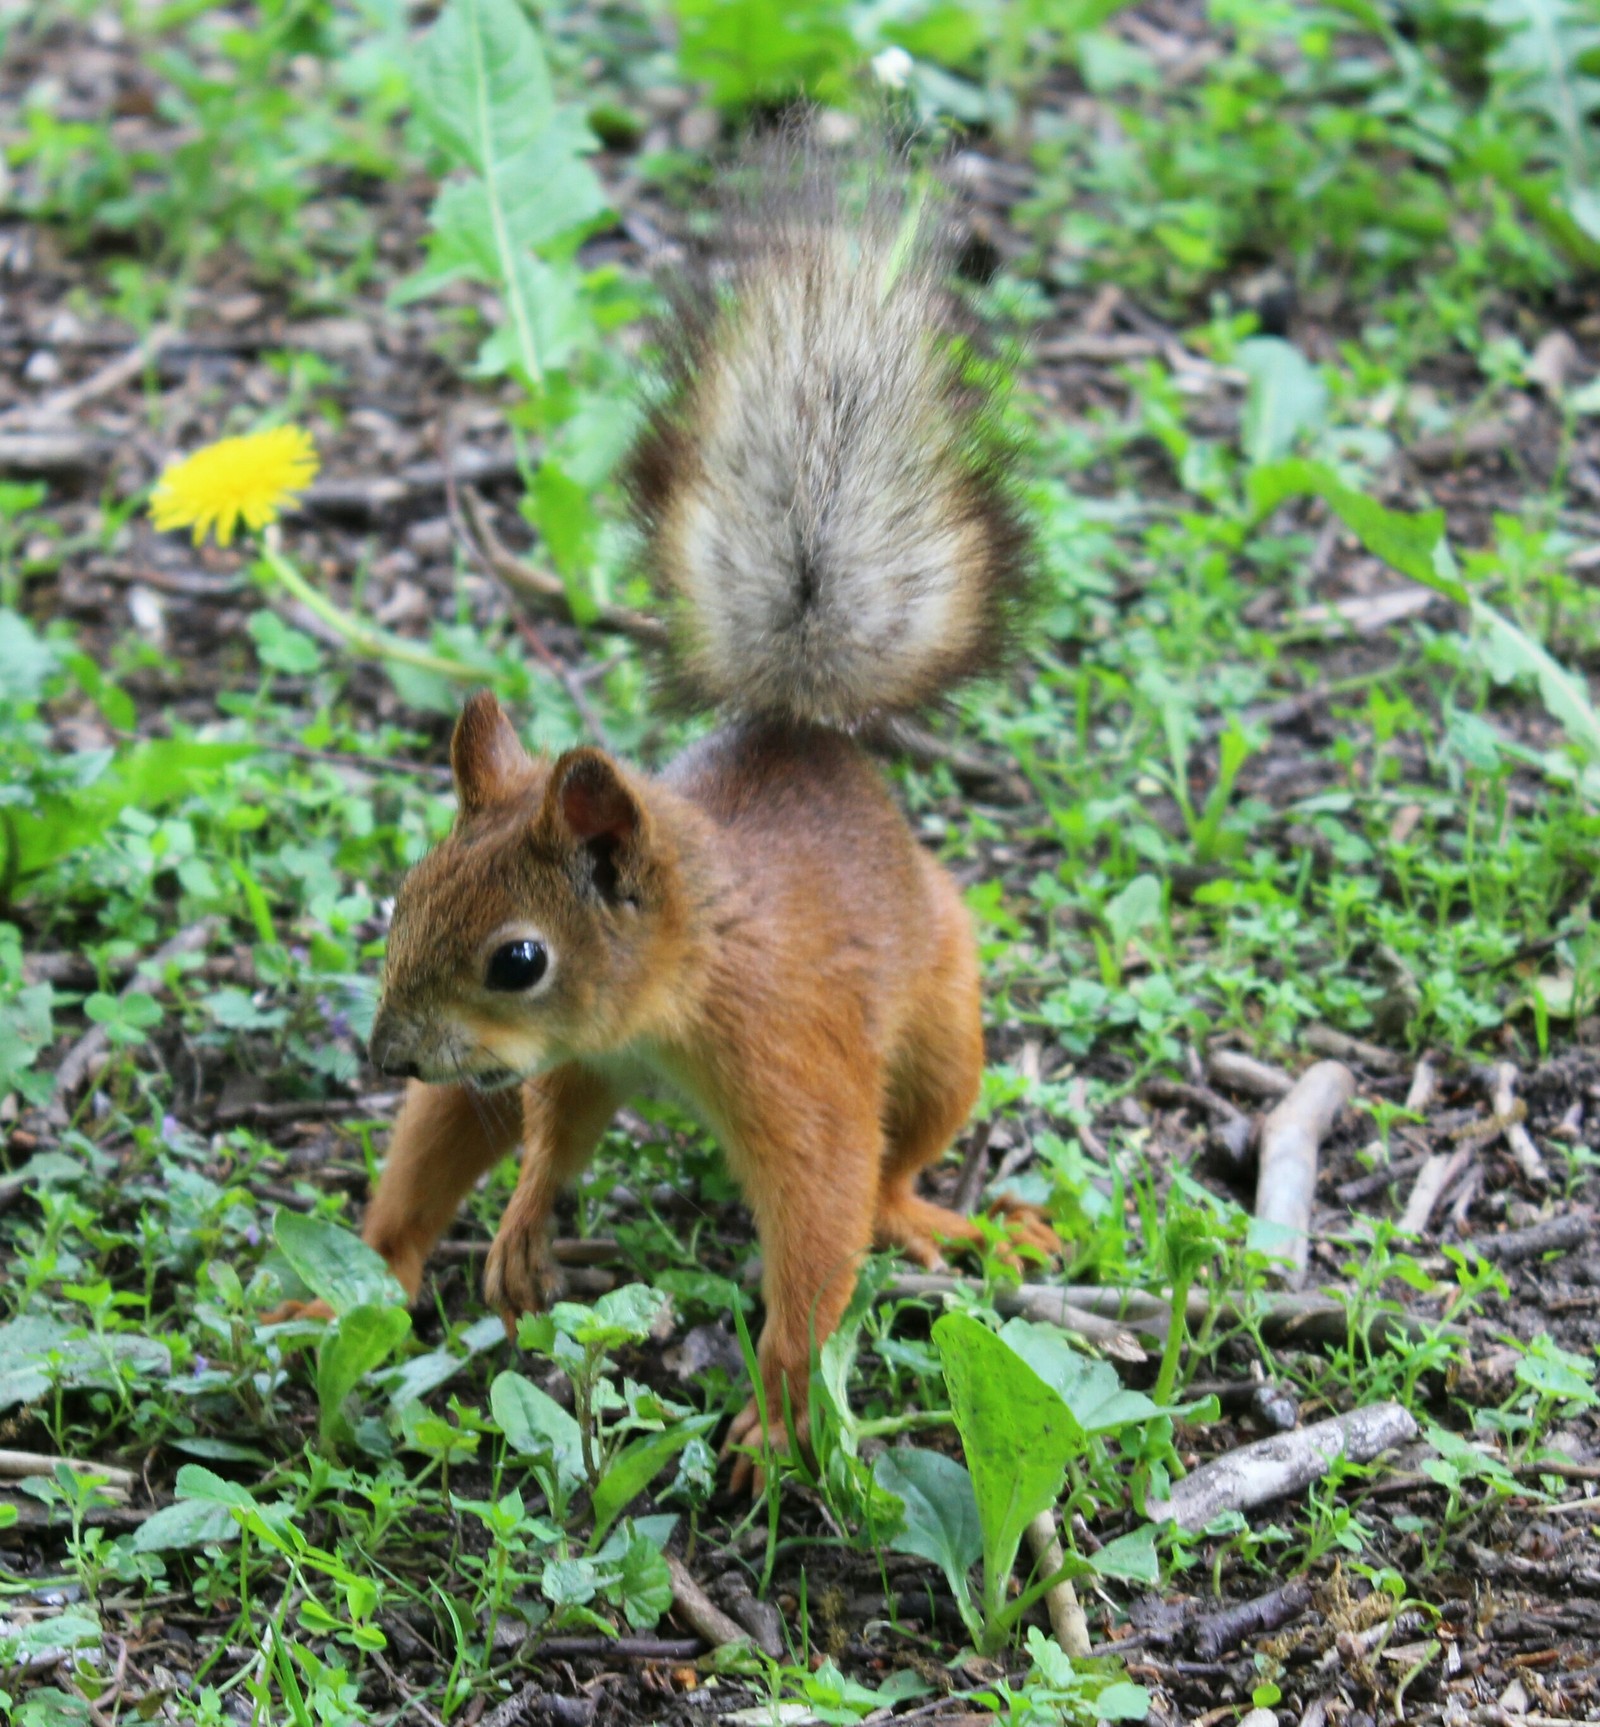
x=358, y=1341
x=188, y=1524
x=195, y=1481
x=636, y=1465
x=941, y=1512
x=1131, y=1557
x=646, y=1583
x=537, y=1426
x=1285, y=398
x=483, y=84
x=335, y=1264
x=1017, y=1433
x=1096, y=1398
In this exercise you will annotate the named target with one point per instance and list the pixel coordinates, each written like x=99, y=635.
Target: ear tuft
x=594, y=802
x=486, y=755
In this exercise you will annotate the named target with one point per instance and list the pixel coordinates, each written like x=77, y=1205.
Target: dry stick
x=1432, y=1183
x=1241, y=1072
x=62, y=404
x=1229, y=1626
x=1424, y=1087
x=85, y=1055
x=1067, y=1620
x=1276, y=1467
x=1290, y=1138
x=698, y=1611
x=1037, y=1302
x=52, y=452
x=545, y=593
x=1555, y=1235
x=1509, y=1113
x=17, y=1465
x=1289, y=1318
x=1340, y=1046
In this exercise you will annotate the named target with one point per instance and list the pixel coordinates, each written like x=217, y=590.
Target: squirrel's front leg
x=564, y=1113
x=444, y=1138
x=813, y=1188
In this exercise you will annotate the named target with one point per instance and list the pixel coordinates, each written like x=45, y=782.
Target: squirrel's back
x=830, y=515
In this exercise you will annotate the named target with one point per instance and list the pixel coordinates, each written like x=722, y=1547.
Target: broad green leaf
x=941, y=1513
x=646, y=1584
x=37, y=1353
x=1285, y=398
x=1096, y=1399
x=335, y=1264
x=359, y=1340
x=1017, y=1434
x=536, y=1425
x=637, y=1464
x=1131, y=1557
x=190, y=1523
x=483, y=84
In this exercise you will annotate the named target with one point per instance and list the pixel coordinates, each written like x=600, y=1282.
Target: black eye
x=517, y=965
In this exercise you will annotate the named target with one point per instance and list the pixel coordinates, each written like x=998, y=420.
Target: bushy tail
x=824, y=488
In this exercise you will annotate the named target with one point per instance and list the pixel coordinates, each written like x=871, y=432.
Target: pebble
x=42, y=368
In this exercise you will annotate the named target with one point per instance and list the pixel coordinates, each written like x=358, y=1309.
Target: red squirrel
x=832, y=530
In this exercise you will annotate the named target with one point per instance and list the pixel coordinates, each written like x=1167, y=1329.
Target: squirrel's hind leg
x=939, y=1075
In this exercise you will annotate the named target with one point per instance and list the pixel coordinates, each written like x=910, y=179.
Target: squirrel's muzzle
x=389, y=1051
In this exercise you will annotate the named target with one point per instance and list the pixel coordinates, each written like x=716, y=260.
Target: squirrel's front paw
x=520, y=1277
x=287, y=1310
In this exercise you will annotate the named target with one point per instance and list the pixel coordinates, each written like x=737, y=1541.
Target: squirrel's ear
x=486, y=755
x=594, y=803
x=591, y=805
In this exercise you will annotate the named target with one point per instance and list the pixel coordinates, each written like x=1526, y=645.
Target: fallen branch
x=1509, y=1112
x=1340, y=1046
x=19, y=1465
x=87, y=1054
x=534, y=1704
x=1241, y=1072
x=1555, y=1235
x=1227, y=1628
x=1276, y=1467
x=1433, y=1182
x=541, y=591
x=1067, y=1621
x=1287, y=1318
x=52, y=453
x=1424, y=1087
x=1290, y=1139
x=699, y=1612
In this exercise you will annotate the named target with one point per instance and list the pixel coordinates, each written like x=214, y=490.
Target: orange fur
x=765, y=935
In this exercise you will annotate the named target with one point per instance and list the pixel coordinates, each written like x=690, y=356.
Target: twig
x=1067, y=1619
x=970, y=770
x=1038, y=1302
x=1290, y=1139
x=1227, y=1628
x=533, y=1703
x=17, y=1465
x=1340, y=1046
x=52, y=452
x=1276, y=1467
x=63, y=404
x=1424, y=1087
x=974, y=1171
x=698, y=1611
x=1555, y=1235
x=1241, y=1072
x=1376, y=1181
x=1290, y=1317
x=1433, y=1182
x=545, y=593
x=87, y=1053
x=1509, y=1112
x=308, y=1108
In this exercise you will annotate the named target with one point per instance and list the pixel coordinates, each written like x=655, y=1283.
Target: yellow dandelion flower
x=253, y=477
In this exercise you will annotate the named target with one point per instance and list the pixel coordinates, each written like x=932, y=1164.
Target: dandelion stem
x=365, y=639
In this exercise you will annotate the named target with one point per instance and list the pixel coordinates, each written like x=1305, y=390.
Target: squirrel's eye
x=517, y=965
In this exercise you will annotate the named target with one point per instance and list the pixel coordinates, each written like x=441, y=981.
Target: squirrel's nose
x=386, y=1053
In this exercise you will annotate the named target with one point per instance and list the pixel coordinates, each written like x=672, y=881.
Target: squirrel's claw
x=520, y=1275
x=747, y=1439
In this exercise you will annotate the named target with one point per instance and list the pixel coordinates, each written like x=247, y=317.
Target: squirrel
x=830, y=524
